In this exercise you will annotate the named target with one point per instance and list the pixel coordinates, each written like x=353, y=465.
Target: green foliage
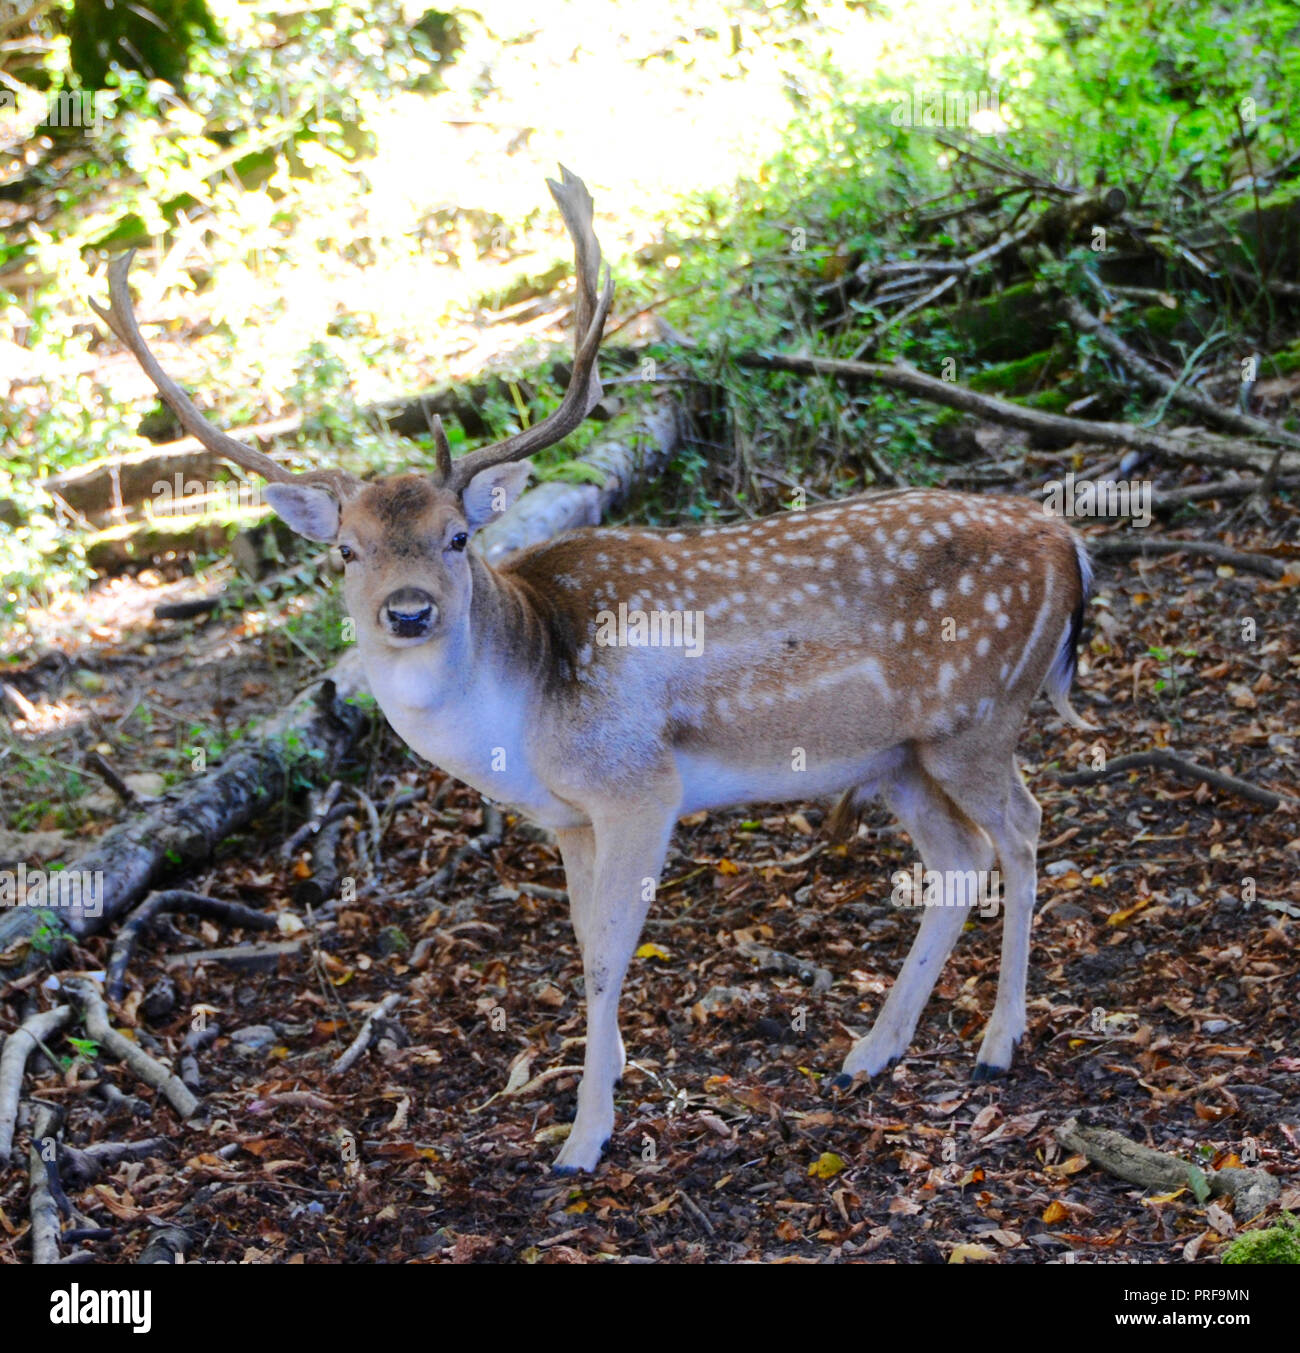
x=268, y=138
x=152, y=38
x=1274, y=1245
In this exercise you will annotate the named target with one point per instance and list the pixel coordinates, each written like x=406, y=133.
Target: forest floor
x=1162, y=999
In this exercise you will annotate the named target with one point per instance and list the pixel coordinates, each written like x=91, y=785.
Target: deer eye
x=347, y=553
x=459, y=540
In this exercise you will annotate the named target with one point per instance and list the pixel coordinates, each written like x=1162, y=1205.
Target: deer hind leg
x=948, y=842
x=628, y=857
x=578, y=852
x=991, y=792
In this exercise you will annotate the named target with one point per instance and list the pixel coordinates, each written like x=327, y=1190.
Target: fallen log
x=105, y=485
x=630, y=453
x=102, y=488
x=186, y=826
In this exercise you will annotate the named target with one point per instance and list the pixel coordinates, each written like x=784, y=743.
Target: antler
x=120, y=317
x=583, y=393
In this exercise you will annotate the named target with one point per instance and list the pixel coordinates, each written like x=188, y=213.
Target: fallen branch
x=363, y=1039
x=1131, y=547
x=1159, y=759
x=1165, y=500
x=1250, y=1190
x=82, y=1165
x=147, y=1068
x=773, y=960
x=18, y=1047
x=41, y=1203
x=1213, y=414
x=175, y=900
x=195, y=1042
x=1195, y=448
x=167, y=1245
x=489, y=838
x=186, y=826
x=319, y=888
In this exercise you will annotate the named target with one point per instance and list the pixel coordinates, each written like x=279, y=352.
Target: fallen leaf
x=971, y=1254
x=826, y=1166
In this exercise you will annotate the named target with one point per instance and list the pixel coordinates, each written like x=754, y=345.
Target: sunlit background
x=341, y=205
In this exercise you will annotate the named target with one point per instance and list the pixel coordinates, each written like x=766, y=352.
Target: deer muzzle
x=408, y=614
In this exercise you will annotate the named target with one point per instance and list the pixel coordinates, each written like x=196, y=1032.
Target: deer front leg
x=578, y=851
x=629, y=856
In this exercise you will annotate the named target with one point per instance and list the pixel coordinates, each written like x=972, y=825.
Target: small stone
x=254, y=1037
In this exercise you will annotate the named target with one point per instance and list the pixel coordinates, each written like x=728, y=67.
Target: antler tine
x=120, y=317
x=584, y=389
x=442, y=447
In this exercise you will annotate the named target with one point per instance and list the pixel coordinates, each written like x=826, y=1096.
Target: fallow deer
x=886, y=645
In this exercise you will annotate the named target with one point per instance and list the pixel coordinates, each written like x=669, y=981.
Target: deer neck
x=468, y=700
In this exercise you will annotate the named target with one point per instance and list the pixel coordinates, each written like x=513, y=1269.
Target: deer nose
x=408, y=613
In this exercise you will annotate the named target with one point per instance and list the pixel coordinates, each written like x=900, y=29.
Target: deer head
x=407, y=579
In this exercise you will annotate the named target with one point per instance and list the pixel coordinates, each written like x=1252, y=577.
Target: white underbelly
x=711, y=781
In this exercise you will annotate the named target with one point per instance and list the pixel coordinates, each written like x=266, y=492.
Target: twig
x=97, y=763
x=363, y=1039
x=20, y=702
x=147, y=1068
x=18, y=1047
x=195, y=1042
x=1159, y=759
x=697, y=1212
x=175, y=900
x=315, y=822
x=773, y=960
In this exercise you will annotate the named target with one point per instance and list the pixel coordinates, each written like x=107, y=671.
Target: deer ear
x=493, y=490
x=311, y=512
